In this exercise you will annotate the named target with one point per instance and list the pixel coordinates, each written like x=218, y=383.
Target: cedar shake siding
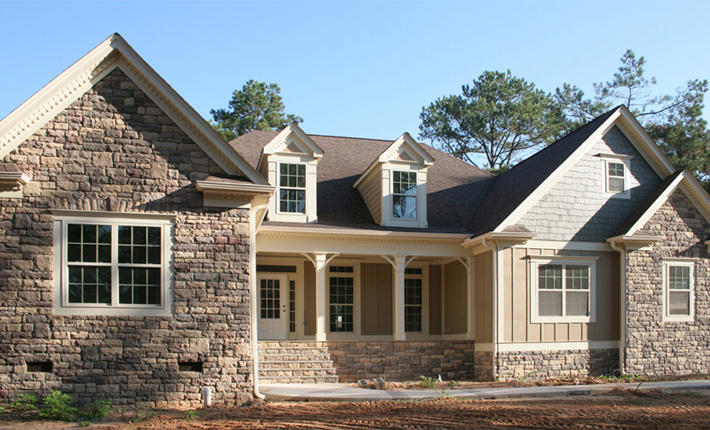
x=113, y=149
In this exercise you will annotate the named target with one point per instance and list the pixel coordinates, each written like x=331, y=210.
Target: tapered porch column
x=321, y=263
x=398, y=303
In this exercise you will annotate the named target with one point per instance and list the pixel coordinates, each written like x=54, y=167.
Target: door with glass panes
x=273, y=301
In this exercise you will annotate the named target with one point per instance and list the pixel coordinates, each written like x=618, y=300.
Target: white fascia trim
x=643, y=219
x=424, y=158
x=324, y=231
x=566, y=245
x=224, y=187
x=18, y=178
x=54, y=97
x=108, y=215
x=512, y=236
x=658, y=161
x=550, y=346
x=273, y=146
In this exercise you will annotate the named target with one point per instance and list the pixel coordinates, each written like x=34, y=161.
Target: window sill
x=560, y=320
x=678, y=318
x=112, y=311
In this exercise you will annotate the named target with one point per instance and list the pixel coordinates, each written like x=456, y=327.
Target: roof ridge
x=351, y=137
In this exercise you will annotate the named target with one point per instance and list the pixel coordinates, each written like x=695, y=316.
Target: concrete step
x=295, y=362
x=300, y=380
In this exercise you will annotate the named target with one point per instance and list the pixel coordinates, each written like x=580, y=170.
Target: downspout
x=622, y=304
x=494, y=248
x=252, y=294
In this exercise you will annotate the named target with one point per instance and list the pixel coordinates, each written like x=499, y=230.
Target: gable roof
x=681, y=179
x=402, y=143
x=279, y=142
x=513, y=192
x=452, y=185
x=73, y=82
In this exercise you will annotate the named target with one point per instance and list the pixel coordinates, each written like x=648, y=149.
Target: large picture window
x=292, y=188
x=112, y=264
x=404, y=195
x=678, y=291
x=563, y=291
x=341, y=298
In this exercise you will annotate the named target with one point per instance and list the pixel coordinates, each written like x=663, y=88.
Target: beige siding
x=371, y=191
x=309, y=299
x=483, y=297
x=435, y=299
x=515, y=288
x=376, y=296
x=455, y=301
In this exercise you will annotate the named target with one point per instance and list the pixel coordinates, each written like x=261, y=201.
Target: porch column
x=398, y=303
x=320, y=263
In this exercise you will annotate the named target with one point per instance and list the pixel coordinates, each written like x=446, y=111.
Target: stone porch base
x=546, y=364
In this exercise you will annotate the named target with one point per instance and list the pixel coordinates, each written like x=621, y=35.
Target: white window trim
x=416, y=197
x=410, y=335
x=625, y=160
x=356, y=298
x=535, y=262
x=666, y=291
x=61, y=273
x=387, y=173
x=273, y=173
x=278, y=188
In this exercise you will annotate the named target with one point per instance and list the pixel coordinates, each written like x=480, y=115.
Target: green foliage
x=453, y=383
x=498, y=117
x=257, y=106
x=2, y=409
x=426, y=381
x=58, y=406
x=97, y=410
x=137, y=417
x=190, y=415
x=24, y=402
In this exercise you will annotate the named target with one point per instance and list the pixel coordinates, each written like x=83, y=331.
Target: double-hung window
x=413, y=293
x=404, y=195
x=112, y=266
x=678, y=291
x=341, y=298
x=292, y=188
x=563, y=291
x=616, y=176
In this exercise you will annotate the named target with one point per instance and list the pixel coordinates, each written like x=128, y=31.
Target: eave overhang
x=510, y=238
x=14, y=178
x=232, y=188
x=635, y=241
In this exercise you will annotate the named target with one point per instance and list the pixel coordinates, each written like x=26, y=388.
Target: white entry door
x=273, y=313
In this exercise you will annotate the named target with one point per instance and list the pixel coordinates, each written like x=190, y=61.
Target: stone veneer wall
x=115, y=150
x=401, y=360
x=547, y=364
x=652, y=345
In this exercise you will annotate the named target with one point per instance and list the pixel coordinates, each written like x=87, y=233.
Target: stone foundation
x=403, y=360
x=483, y=365
x=546, y=364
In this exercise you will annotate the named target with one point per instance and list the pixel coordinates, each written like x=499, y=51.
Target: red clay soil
x=622, y=410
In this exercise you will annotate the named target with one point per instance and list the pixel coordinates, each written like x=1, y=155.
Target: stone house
x=143, y=258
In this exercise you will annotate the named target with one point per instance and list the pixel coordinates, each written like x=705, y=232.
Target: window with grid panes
x=413, y=299
x=404, y=195
x=340, y=294
x=678, y=291
x=563, y=290
x=292, y=188
x=112, y=264
x=615, y=181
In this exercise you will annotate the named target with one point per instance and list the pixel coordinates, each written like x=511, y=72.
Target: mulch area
x=623, y=409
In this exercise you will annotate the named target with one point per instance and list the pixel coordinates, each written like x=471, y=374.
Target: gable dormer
x=289, y=162
x=394, y=185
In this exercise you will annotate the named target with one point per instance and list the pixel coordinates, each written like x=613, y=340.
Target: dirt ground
x=620, y=410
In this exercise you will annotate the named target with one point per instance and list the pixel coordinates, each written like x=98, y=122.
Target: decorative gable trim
x=402, y=149
x=71, y=84
x=633, y=131
x=291, y=140
x=690, y=187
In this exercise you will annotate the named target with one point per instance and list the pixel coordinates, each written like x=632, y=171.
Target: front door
x=273, y=298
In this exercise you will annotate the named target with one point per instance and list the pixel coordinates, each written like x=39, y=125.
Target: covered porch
x=376, y=304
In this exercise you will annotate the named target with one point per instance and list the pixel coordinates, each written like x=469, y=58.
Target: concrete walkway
x=342, y=392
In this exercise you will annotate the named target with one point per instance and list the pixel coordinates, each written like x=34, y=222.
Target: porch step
x=295, y=363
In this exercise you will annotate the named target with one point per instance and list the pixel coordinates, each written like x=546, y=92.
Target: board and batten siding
x=455, y=298
x=483, y=297
x=376, y=296
x=576, y=207
x=371, y=191
x=309, y=299
x=516, y=294
x=435, y=299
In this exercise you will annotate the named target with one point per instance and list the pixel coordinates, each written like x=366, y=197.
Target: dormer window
x=404, y=195
x=292, y=188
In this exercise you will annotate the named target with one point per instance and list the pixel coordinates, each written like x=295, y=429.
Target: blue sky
x=356, y=68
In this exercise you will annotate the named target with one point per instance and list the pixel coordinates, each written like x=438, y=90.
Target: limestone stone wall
x=402, y=360
x=546, y=364
x=115, y=150
x=654, y=346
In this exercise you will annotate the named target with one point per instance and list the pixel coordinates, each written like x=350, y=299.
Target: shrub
x=25, y=402
x=57, y=406
x=426, y=381
x=97, y=410
x=190, y=415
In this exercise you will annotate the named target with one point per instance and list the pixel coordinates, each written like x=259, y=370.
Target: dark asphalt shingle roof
x=509, y=189
x=452, y=185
